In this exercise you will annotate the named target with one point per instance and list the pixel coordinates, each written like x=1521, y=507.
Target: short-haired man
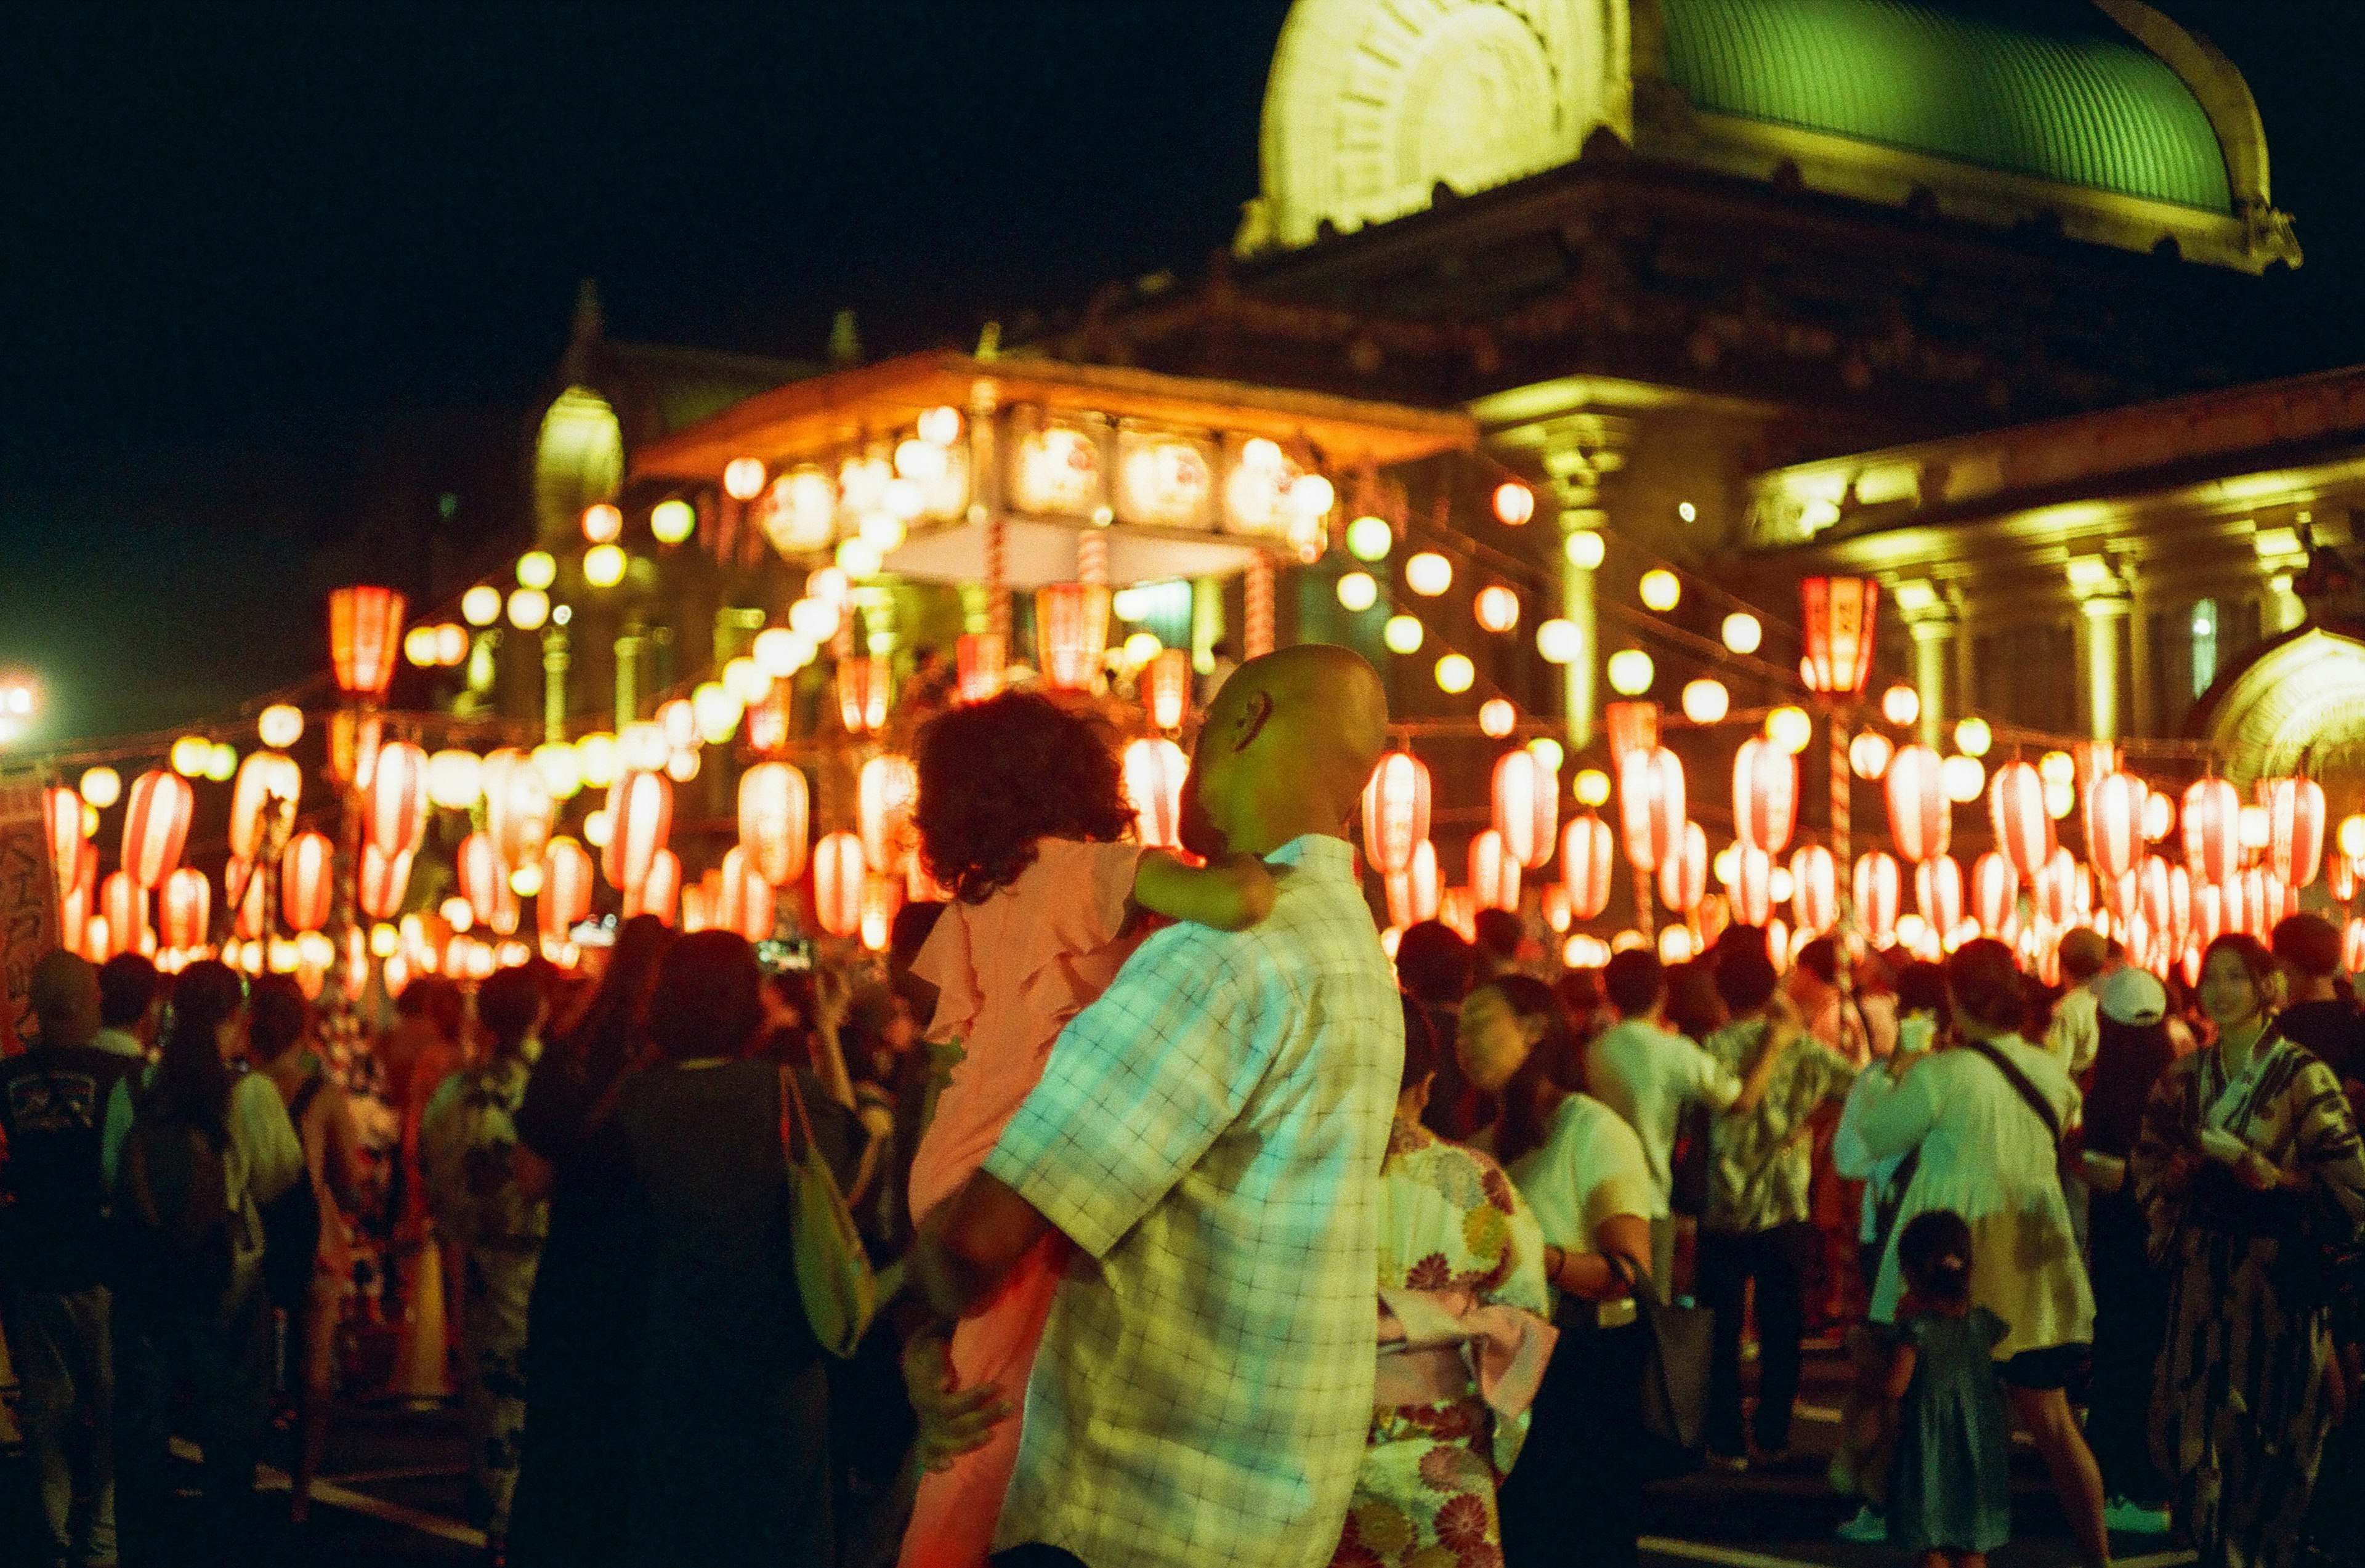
x=128, y=988
x=2076, y=1032
x=2307, y=949
x=1648, y=1073
x=53, y=1247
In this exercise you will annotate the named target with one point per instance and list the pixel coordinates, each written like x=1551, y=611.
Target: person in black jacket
x=53, y=1247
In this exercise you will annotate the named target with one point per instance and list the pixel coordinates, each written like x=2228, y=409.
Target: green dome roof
x=2056, y=91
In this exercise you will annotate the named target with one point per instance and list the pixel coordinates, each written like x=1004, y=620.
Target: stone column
x=2105, y=622
x=1933, y=650
x=1581, y=554
x=628, y=676
x=555, y=663
x=2145, y=720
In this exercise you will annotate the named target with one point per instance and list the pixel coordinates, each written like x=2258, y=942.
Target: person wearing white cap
x=2132, y=1049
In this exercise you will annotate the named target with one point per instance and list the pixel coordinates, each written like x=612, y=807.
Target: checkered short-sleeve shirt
x=1209, y=1133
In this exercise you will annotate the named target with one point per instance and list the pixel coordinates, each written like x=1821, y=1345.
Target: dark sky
x=231, y=235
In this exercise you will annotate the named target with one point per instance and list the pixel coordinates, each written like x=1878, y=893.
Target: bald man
x=1208, y=1135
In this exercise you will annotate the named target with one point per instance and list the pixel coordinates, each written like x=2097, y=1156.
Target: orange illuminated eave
x=813, y=418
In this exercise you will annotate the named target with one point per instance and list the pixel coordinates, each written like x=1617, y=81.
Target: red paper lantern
x=1840, y=613
x=365, y=639
x=1876, y=894
x=699, y=902
x=1920, y=817
x=261, y=778
x=2213, y=830
x=2115, y=814
x=2209, y=910
x=1683, y=876
x=775, y=817
x=62, y=833
x=1764, y=797
x=250, y=922
x=1071, y=623
x=2023, y=828
x=863, y=688
x=640, y=820
x=1494, y=873
x=1414, y=892
x=308, y=880
x=979, y=658
x=481, y=877
x=1753, y=885
x=2179, y=902
x=383, y=881
x=1651, y=806
x=1938, y=893
x=2352, y=945
x=565, y=896
x=746, y=905
x=882, y=898
x=1166, y=687
x=1995, y=890
x=838, y=870
x=1585, y=851
x=1396, y=813
x=1153, y=771
x=769, y=719
x=185, y=907
x=1526, y=807
x=123, y=904
x=660, y=891
x=890, y=786
x=1814, y=889
x=1632, y=727
x=2152, y=892
x=519, y=811
x=394, y=815
x=78, y=895
x=2295, y=828
x=155, y=825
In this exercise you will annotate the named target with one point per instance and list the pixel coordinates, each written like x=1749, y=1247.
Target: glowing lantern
x=263, y=776
x=1152, y=772
x=365, y=639
x=2295, y=823
x=890, y=785
x=519, y=810
x=1938, y=891
x=1995, y=888
x=775, y=811
x=308, y=880
x=1706, y=702
x=2114, y=809
x=1497, y=608
x=1072, y=624
x=863, y=686
x=640, y=820
x=385, y=879
x=1661, y=590
x=1554, y=903
x=1962, y=779
x=1630, y=672
x=1753, y=885
x=1764, y=797
x=1558, y=640
x=1413, y=894
x=1743, y=632
x=659, y=891
x=62, y=832
x=746, y=905
x=1676, y=945
x=1682, y=875
x=565, y=896
x=1900, y=705
x=2023, y=829
x=2154, y=896
x=155, y=825
x=977, y=660
x=1633, y=726
x=280, y=725
x=2340, y=878
x=1814, y=889
x=1428, y=574
x=1868, y=756
x=184, y=908
x=2352, y=945
x=1494, y=873
x=1877, y=889
x=743, y=478
x=1497, y=717
x=394, y=815
x=882, y=898
x=1514, y=503
x=2213, y=830
x=123, y=905
x=1791, y=728
x=1166, y=687
x=1584, y=850
x=1839, y=618
x=1651, y=806
x=479, y=865
x=838, y=872
x=1921, y=818
x=2159, y=817
x=1396, y=811
x=1526, y=808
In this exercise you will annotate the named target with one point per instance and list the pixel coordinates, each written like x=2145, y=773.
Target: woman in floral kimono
x=1462, y=1343
x=2249, y=1169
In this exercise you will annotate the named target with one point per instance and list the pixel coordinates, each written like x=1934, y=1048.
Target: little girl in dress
x=1022, y=816
x=1950, y=1491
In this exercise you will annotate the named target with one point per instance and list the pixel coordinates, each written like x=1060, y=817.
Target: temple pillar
x=2105, y=609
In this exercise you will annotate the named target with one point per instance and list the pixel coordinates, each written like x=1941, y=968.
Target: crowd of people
x=1197, y=1230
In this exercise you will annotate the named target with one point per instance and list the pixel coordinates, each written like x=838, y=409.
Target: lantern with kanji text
x=365, y=639
x=1840, y=614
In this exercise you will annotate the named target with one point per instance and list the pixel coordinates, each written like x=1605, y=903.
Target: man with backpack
x=54, y=1249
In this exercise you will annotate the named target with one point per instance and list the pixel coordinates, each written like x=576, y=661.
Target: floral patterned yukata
x=1456, y=1243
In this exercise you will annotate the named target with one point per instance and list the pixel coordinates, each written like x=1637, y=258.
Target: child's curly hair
x=996, y=775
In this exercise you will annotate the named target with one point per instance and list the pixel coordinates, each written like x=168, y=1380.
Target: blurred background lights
x=481, y=605
x=1559, y=641
x=1743, y=633
x=1585, y=548
x=673, y=521
x=1631, y=672
x=743, y=478
x=537, y=569
x=102, y=787
x=602, y=523
x=1661, y=589
x=1428, y=574
x=1357, y=591
x=280, y=725
x=1593, y=787
x=1402, y=634
x=1514, y=503
x=1497, y=608
x=1547, y=753
x=1497, y=717
x=603, y=566
x=529, y=608
x=1370, y=539
x=1454, y=674
x=1973, y=737
x=1900, y=704
x=1706, y=702
x=1789, y=728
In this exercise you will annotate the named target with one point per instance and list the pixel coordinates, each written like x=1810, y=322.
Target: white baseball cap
x=2131, y=995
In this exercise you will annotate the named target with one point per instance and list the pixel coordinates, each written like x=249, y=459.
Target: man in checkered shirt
x=1209, y=1134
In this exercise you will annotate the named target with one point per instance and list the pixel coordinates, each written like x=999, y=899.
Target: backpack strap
x=310, y=1091
x=2028, y=1092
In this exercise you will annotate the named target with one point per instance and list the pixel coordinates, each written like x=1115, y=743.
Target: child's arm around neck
x=1231, y=894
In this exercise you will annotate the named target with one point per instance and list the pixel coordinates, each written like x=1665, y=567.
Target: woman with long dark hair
x=2250, y=1172
x=191, y=1154
x=1577, y=1495
x=583, y=1321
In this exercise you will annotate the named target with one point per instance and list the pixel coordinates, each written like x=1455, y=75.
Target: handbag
x=834, y=1275
x=1675, y=1377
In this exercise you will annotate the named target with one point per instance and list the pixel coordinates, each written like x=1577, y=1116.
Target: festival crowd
x=1139, y=1212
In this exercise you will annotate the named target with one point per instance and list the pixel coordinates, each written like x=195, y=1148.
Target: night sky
x=231, y=238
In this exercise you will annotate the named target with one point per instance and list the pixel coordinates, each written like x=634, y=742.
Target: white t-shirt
x=2077, y=1031
x=1648, y=1075
x=1588, y=1168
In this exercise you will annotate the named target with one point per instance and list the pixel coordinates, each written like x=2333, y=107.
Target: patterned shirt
x=1763, y=1163
x=1209, y=1134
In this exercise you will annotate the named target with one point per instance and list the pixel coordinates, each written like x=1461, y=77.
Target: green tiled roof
x=2053, y=90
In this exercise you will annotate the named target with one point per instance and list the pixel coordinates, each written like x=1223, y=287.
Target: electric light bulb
x=1403, y=634
x=1357, y=591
